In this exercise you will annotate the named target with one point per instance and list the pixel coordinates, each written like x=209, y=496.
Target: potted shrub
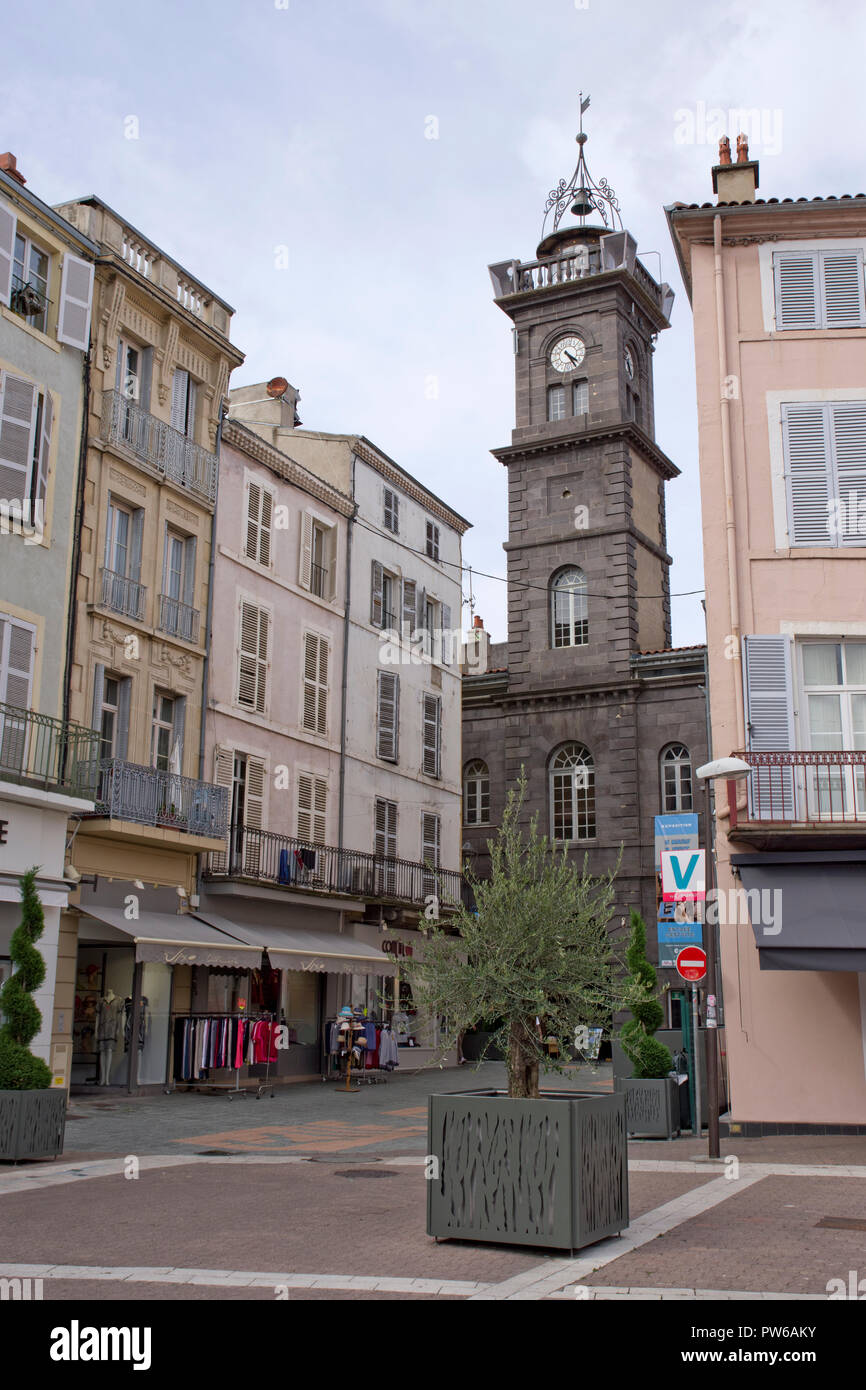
x=651, y=1101
x=529, y=1166
x=32, y=1117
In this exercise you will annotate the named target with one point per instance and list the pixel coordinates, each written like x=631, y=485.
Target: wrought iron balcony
x=318, y=580
x=154, y=443
x=39, y=751
x=29, y=302
x=268, y=857
x=149, y=796
x=802, y=790
x=123, y=595
x=178, y=619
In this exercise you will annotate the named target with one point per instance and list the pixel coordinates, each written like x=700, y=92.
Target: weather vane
x=582, y=195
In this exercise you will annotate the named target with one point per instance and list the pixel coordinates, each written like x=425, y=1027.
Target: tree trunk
x=522, y=1063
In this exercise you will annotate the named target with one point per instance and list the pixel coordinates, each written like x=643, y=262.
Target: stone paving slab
x=75, y=1291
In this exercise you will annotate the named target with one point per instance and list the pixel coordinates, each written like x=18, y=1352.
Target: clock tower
x=587, y=694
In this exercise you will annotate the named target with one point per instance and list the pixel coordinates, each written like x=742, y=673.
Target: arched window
x=572, y=793
x=676, y=778
x=476, y=793
x=569, y=625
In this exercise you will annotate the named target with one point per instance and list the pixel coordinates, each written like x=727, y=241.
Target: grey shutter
x=178, y=725
x=146, y=377
x=421, y=620
x=431, y=736
x=265, y=518
x=223, y=769
x=447, y=641
x=189, y=571
x=16, y=663
x=806, y=440
x=76, y=291
x=123, y=702
x=842, y=282
x=98, y=691
x=376, y=600
x=44, y=447
x=386, y=829
x=179, y=383
x=769, y=722
x=387, y=716
x=796, y=276
x=190, y=414
x=848, y=423
x=305, y=567
x=8, y=228
x=410, y=600
x=136, y=533
x=17, y=417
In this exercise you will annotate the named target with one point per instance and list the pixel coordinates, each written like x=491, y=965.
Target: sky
x=344, y=171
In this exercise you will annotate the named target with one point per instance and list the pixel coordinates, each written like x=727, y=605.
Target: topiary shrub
x=650, y=1059
x=19, y=1069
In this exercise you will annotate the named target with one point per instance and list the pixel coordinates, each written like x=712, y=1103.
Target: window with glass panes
x=568, y=609
x=572, y=794
x=834, y=688
x=476, y=793
x=30, y=265
x=162, y=728
x=432, y=540
x=676, y=778
x=108, y=721
x=556, y=402
x=580, y=397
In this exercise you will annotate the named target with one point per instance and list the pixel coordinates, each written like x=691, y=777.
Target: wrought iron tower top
x=582, y=195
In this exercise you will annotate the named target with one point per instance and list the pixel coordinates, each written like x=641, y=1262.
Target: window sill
x=36, y=333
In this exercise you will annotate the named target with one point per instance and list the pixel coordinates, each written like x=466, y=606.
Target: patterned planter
x=31, y=1124
x=548, y=1172
x=651, y=1106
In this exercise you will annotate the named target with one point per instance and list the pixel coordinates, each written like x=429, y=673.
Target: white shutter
x=254, y=503
x=796, y=289
x=430, y=825
x=265, y=519
x=848, y=422
x=253, y=816
x=76, y=291
x=431, y=736
x=312, y=807
x=410, y=599
x=17, y=641
x=8, y=228
x=253, y=657
x=842, y=280
x=769, y=705
x=447, y=646
x=223, y=768
x=807, y=455
x=387, y=716
x=386, y=829
x=17, y=422
x=315, y=711
x=305, y=564
x=377, y=585
x=44, y=452
x=179, y=385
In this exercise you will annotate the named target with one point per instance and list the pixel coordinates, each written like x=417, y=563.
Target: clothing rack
x=226, y=1088
x=361, y=1073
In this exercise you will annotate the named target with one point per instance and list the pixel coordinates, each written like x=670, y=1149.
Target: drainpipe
x=207, y=626
x=727, y=469
x=345, y=682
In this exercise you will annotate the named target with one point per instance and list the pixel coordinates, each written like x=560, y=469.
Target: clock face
x=628, y=362
x=567, y=354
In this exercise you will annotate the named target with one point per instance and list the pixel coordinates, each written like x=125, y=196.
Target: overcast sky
x=274, y=131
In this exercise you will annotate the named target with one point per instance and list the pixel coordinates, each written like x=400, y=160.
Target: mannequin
x=107, y=1026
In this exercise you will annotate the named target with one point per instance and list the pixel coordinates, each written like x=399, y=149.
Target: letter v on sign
x=683, y=875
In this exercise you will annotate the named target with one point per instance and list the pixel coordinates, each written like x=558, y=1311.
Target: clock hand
x=571, y=355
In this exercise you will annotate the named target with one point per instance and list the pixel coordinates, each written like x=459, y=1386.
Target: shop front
x=418, y=1033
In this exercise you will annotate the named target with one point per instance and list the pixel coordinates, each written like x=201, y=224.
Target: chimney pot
x=735, y=183
x=9, y=165
x=742, y=149
x=478, y=624
x=724, y=150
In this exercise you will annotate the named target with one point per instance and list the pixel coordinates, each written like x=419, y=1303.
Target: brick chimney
x=735, y=183
x=9, y=165
x=476, y=649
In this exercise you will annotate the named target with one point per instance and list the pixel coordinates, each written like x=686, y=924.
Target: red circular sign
x=692, y=963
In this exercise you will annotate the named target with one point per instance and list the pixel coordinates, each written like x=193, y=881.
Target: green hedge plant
x=20, y=1070
x=650, y=1058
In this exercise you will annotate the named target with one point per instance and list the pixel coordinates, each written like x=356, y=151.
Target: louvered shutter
x=223, y=770
x=17, y=420
x=322, y=700
x=8, y=228
x=431, y=736
x=807, y=454
x=254, y=816
x=44, y=449
x=179, y=385
x=770, y=722
x=377, y=607
x=386, y=829
x=305, y=568
x=98, y=691
x=842, y=279
x=189, y=574
x=253, y=657
x=410, y=600
x=848, y=422
x=254, y=502
x=796, y=275
x=429, y=849
x=191, y=403
x=265, y=518
x=421, y=616
x=447, y=637
x=124, y=699
x=312, y=807
x=16, y=670
x=387, y=716
x=76, y=290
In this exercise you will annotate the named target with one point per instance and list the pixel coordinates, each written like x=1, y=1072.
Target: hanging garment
x=108, y=1021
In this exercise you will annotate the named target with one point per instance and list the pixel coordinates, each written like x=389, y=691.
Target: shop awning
x=297, y=948
x=179, y=939
x=818, y=913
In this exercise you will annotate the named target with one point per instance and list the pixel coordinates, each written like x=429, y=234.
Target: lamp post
x=729, y=770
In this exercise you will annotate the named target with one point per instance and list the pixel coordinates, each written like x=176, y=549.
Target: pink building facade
x=777, y=290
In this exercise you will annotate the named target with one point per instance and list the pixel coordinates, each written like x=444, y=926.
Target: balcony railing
x=318, y=580
x=271, y=858
x=804, y=789
x=123, y=595
x=36, y=750
x=178, y=619
x=156, y=444
x=149, y=796
x=29, y=302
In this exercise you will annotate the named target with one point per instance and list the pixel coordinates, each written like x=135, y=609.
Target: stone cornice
x=217, y=342
x=626, y=429
x=285, y=467
x=409, y=485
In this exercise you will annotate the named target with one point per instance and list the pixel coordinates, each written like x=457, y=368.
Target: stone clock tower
x=587, y=694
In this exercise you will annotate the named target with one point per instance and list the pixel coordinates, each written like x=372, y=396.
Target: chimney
x=476, y=649
x=735, y=183
x=9, y=165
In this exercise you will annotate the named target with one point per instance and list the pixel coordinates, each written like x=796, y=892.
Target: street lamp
x=728, y=770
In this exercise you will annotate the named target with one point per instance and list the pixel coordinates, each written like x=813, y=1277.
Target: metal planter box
x=651, y=1106
x=547, y=1172
x=31, y=1124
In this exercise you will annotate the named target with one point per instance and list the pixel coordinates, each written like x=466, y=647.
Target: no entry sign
x=692, y=963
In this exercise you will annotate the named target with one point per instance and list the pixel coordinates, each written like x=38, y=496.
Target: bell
x=582, y=205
